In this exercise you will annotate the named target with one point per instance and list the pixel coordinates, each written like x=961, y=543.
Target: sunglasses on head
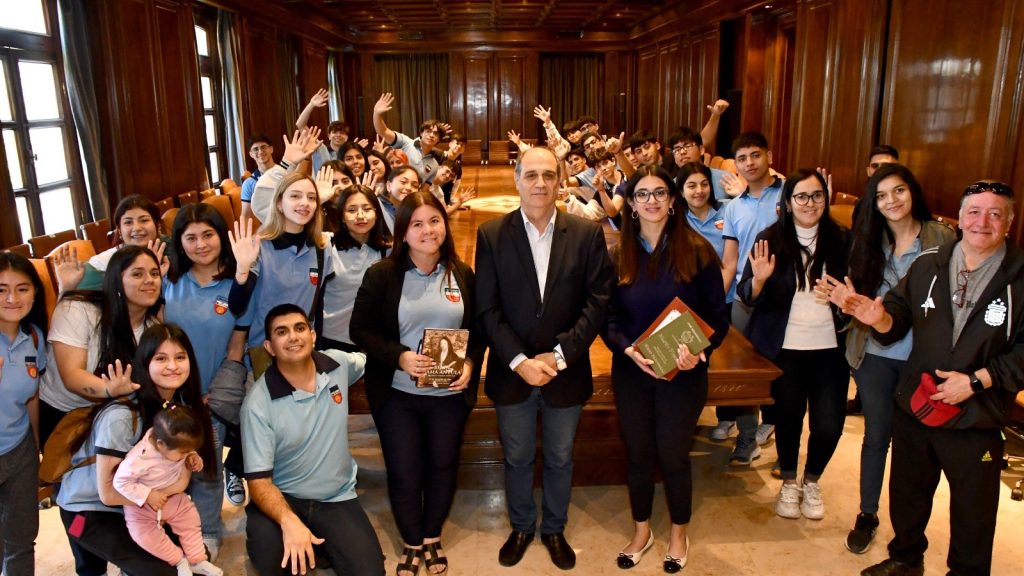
x=994, y=187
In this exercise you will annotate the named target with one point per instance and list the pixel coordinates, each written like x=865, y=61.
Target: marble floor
x=734, y=529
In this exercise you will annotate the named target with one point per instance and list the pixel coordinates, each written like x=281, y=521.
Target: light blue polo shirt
x=298, y=439
x=24, y=361
x=744, y=218
x=202, y=312
x=340, y=292
x=323, y=155
x=895, y=269
x=586, y=177
x=427, y=301
x=425, y=164
x=112, y=435
x=284, y=276
x=249, y=185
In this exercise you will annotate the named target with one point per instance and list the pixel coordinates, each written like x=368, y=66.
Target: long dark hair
x=871, y=229
x=403, y=218
x=350, y=145
x=783, y=242
x=380, y=236
x=37, y=314
x=689, y=169
x=684, y=251
x=129, y=202
x=117, y=341
x=148, y=398
x=202, y=214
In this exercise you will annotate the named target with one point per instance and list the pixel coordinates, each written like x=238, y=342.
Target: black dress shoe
x=890, y=567
x=561, y=553
x=513, y=549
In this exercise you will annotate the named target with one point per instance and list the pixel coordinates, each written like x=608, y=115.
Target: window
x=40, y=151
x=213, y=119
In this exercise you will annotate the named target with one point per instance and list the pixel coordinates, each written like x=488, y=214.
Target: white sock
x=183, y=568
x=206, y=569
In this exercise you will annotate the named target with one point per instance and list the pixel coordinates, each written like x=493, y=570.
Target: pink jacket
x=144, y=469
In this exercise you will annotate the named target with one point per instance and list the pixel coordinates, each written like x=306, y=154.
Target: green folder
x=662, y=346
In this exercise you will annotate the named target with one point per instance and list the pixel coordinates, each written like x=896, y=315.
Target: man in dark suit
x=543, y=285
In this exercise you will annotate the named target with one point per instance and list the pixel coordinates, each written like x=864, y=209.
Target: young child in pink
x=154, y=476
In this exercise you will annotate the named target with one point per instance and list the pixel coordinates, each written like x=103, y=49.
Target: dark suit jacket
x=374, y=327
x=516, y=320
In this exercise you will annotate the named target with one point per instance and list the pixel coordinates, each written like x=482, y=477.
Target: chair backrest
x=245, y=176
x=44, y=244
x=167, y=219
x=497, y=152
x=165, y=204
x=96, y=232
x=204, y=194
x=473, y=154
x=83, y=248
x=235, y=196
x=729, y=165
x=49, y=285
x=843, y=214
x=841, y=198
x=223, y=205
x=190, y=197
x=716, y=162
x=22, y=249
x=228, y=183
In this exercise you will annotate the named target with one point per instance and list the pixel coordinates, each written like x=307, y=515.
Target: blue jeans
x=208, y=494
x=876, y=380
x=517, y=424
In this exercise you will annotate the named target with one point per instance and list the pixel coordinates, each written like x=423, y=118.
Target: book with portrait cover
x=448, y=349
x=676, y=324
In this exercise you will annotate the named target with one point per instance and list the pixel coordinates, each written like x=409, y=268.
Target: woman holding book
x=660, y=258
x=794, y=325
x=421, y=285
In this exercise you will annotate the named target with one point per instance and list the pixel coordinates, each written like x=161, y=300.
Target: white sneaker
x=724, y=429
x=788, y=504
x=206, y=569
x=812, y=507
x=212, y=548
x=764, y=433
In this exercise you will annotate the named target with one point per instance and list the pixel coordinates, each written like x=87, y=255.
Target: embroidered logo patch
x=453, y=294
x=995, y=314
x=31, y=368
x=314, y=276
x=335, y=394
x=220, y=305
x=719, y=224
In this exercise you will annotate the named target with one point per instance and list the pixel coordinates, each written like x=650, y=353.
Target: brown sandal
x=432, y=558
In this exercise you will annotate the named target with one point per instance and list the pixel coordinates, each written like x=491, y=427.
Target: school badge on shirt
x=453, y=294
x=314, y=276
x=31, y=368
x=719, y=224
x=220, y=305
x=335, y=394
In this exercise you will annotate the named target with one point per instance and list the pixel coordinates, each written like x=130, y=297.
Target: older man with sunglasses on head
x=959, y=382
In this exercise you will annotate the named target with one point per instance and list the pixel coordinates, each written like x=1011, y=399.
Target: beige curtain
x=571, y=85
x=420, y=85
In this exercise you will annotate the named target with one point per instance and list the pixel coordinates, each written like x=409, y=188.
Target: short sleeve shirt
x=299, y=439
x=745, y=217
x=114, y=431
x=340, y=292
x=202, y=312
x=24, y=360
x=425, y=164
x=249, y=186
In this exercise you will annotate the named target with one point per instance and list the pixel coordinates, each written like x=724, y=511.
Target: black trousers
x=814, y=382
x=971, y=460
x=104, y=538
x=349, y=540
x=420, y=437
x=658, y=419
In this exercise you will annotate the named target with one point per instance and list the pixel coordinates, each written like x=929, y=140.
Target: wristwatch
x=976, y=385
x=560, y=362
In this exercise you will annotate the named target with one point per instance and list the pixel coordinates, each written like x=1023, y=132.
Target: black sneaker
x=859, y=539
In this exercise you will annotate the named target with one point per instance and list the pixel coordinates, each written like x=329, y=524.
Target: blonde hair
x=274, y=226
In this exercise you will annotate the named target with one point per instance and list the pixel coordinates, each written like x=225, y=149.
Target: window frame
x=210, y=67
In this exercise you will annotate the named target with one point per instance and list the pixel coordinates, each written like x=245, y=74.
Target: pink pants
x=182, y=516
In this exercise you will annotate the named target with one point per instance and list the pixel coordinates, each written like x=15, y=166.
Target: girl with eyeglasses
x=660, y=257
x=794, y=325
x=893, y=227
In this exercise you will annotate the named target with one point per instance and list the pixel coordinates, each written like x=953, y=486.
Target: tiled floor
x=734, y=530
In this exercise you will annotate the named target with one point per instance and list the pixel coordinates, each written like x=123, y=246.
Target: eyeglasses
x=802, y=199
x=993, y=187
x=644, y=196
x=960, y=296
x=684, y=147
x=258, y=149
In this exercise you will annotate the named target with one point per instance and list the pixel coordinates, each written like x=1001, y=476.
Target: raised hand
x=834, y=291
x=514, y=138
x=325, y=182
x=868, y=311
x=686, y=361
x=446, y=128
x=295, y=149
x=68, y=268
x=613, y=144
x=118, y=380
x=733, y=184
x=310, y=140
x=644, y=364
x=719, y=107
x=244, y=245
x=362, y=142
x=828, y=181
x=368, y=179
x=158, y=247
x=467, y=194
x=319, y=99
x=379, y=145
x=384, y=103
x=541, y=114
x=762, y=262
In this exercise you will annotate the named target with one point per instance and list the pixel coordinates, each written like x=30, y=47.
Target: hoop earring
x=671, y=210
x=635, y=215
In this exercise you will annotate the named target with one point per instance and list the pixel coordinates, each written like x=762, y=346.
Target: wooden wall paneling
x=949, y=106
x=351, y=88
x=477, y=82
x=754, y=55
x=313, y=76
x=701, y=81
x=508, y=99
x=263, y=85
x=369, y=93
x=647, y=89
x=812, y=107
